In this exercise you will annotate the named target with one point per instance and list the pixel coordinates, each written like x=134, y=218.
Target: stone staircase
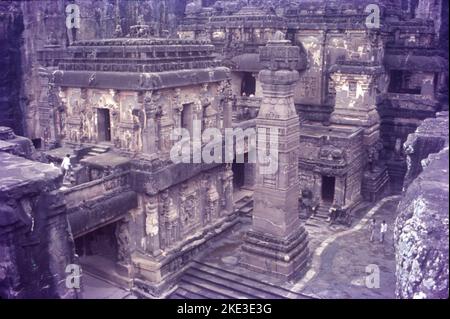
x=323, y=211
x=205, y=281
x=244, y=206
x=98, y=149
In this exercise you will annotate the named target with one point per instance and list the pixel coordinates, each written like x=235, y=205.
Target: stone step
x=210, y=283
x=97, y=149
x=229, y=287
x=259, y=289
x=200, y=290
x=243, y=201
x=107, y=270
x=246, y=209
x=183, y=292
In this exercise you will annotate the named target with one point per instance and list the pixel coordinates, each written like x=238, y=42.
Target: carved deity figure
x=227, y=182
x=118, y=31
x=123, y=242
x=278, y=36
x=212, y=200
x=151, y=217
x=169, y=216
x=372, y=158
x=138, y=121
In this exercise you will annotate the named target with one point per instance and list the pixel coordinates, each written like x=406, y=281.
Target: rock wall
x=11, y=27
x=422, y=229
x=36, y=244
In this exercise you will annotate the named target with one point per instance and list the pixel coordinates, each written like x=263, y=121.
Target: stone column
x=227, y=195
x=277, y=242
x=150, y=130
x=152, y=225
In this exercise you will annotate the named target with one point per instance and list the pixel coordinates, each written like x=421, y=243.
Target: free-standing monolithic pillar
x=277, y=243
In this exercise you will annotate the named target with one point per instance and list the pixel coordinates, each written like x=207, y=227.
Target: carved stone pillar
x=152, y=225
x=168, y=221
x=150, y=130
x=225, y=94
x=227, y=190
x=123, y=247
x=277, y=242
x=213, y=200
x=177, y=107
x=51, y=132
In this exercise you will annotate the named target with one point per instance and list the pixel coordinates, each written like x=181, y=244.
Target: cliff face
x=11, y=27
x=28, y=26
x=422, y=229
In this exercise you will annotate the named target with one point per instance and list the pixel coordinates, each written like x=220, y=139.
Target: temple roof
x=247, y=62
x=249, y=17
x=138, y=55
x=138, y=64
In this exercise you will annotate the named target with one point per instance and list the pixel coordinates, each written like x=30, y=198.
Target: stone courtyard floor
x=339, y=257
x=342, y=264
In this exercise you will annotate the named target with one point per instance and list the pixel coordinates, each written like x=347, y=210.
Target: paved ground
x=345, y=263
x=95, y=288
x=339, y=257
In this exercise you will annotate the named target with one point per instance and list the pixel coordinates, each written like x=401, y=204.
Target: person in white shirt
x=66, y=165
x=383, y=230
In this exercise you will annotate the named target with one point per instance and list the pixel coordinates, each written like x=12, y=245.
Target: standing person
x=372, y=229
x=383, y=230
x=66, y=165
x=332, y=214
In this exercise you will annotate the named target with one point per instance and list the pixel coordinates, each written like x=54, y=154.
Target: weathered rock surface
x=35, y=240
x=430, y=137
x=422, y=229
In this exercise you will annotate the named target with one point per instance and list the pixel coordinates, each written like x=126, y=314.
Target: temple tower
x=277, y=242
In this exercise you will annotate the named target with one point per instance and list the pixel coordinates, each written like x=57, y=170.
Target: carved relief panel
x=189, y=207
x=169, y=220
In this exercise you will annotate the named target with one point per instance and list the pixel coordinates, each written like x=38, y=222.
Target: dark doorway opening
x=401, y=82
x=100, y=242
x=328, y=185
x=290, y=35
x=37, y=143
x=104, y=125
x=239, y=173
x=248, y=84
x=187, y=118
x=99, y=254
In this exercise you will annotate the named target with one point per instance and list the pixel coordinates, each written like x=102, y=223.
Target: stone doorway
x=238, y=175
x=248, y=84
x=104, y=125
x=328, y=187
x=103, y=252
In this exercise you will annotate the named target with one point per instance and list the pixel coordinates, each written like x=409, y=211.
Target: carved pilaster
x=152, y=225
x=212, y=200
x=169, y=227
x=227, y=189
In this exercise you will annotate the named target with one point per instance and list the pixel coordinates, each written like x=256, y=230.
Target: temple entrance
x=328, y=184
x=101, y=252
x=100, y=242
x=238, y=175
x=248, y=84
x=104, y=125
